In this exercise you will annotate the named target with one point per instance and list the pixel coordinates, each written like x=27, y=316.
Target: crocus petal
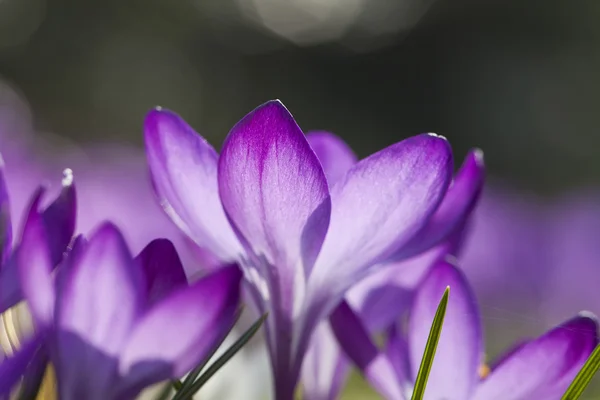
x=548, y=364
x=396, y=350
x=33, y=258
x=162, y=269
x=13, y=368
x=381, y=203
x=184, y=173
x=5, y=221
x=453, y=213
x=102, y=293
x=335, y=155
x=385, y=296
x=275, y=192
x=182, y=329
x=459, y=354
x=357, y=345
x=325, y=368
x=59, y=218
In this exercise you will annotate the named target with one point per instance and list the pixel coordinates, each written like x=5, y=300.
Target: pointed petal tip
x=67, y=179
x=159, y=118
x=273, y=107
x=106, y=229
x=437, y=136
x=586, y=320
x=478, y=156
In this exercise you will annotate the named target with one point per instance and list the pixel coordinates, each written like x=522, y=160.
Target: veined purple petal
x=275, y=193
x=545, y=367
x=162, y=269
x=335, y=155
x=5, y=220
x=59, y=218
x=33, y=258
x=459, y=353
x=381, y=203
x=13, y=368
x=102, y=293
x=184, y=173
x=456, y=208
x=325, y=368
x=181, y=329
x=357, y=345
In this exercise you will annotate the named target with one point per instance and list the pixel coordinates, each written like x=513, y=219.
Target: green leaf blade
x=221, y=361
x=584, y=376
x=430, y=348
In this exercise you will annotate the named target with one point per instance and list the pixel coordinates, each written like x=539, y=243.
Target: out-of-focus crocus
x=114, y=325
x=58, y=222
x=266, y=203
x=536, y=369
x=505, y=254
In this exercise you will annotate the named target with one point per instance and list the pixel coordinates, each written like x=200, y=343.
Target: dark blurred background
x=516, y=78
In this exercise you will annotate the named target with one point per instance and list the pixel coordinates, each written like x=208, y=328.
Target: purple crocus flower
x=265, y=202
x=58, y=221
x=537, y=369
x=382, y=296
x=113, y=324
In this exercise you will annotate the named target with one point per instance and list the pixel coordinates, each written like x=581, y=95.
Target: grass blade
x=430, y=348
x=230, y=352
x=584, y=376
x=181, y=387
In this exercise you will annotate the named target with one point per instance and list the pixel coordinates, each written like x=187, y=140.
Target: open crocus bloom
x=536, y=369
x=112, y=324
x=302, y=241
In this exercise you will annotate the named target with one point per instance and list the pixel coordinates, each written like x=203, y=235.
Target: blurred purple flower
x=58, y=222
x=534, y=261
x=302, y=242
x=537, y=369
x=114, y=325
x=505, y=255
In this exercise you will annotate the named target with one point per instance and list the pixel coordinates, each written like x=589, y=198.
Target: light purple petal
x=33, y=258
x=335, y=155
x=275, y=192
x=13, y=368
x=325, y=368
x=385, y=296
x=59, y=218
x=543, y=368
x=459, y=202
x=357, y=345
x=184, y=173
x=396, y=350
x=5, y=221
x=382, y=202
x=102, y=293
x=182, y=329
x=460, y=349
x=162, y=269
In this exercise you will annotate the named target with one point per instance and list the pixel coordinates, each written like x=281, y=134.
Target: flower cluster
x=333, y=251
